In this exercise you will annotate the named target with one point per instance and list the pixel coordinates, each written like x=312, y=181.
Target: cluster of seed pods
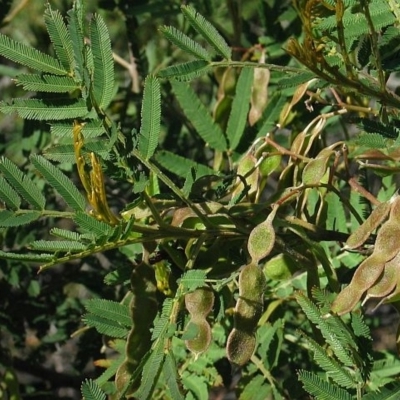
x=378, y=276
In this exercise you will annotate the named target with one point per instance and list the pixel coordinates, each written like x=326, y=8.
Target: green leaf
x=171, y=376
x=335, y=371
x=30, y=57
x=8, y=195
x=77, y=40
x=199, y=116
x=103, y=62
x=151, y=117
x=91, y=391
x=59, y=36
x=30, y=257
x=151, y=371
x=9, y=219
x=65, y=234
x=45, y=109
x=22, y=184
x=105, y=326
x=193, y=279
x=185, y=43
x=185, y=71
x=111, y=310
x=321, y=389
x=92, y=225
x=60, y=182
x=209, y=33
x=91, y=129
x=180, y=165
x=47, y=83
x=390, y=391
x=66, y=246
x=240, y=108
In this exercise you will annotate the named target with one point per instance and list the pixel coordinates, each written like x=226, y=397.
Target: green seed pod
x=280, y=267
x=262, y=238
x=247, y=164
x=252, y=283
x=200, y=302
x=240, y=347
x=361, y=234
x=315, y=170
x=202, y=341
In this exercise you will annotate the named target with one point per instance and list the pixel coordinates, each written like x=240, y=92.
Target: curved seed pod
x=262, y=238
x=200, y=302
x=361, y=234
x=387, y=281
x=315, y=170
x=395, y=208
x=346, y=300
x=240, y=347
x=269, y=164
x=387, y=243
x=202, y=340
x=123, y=375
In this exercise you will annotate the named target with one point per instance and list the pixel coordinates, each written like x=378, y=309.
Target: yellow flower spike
x=80, y=160
x=98, y=194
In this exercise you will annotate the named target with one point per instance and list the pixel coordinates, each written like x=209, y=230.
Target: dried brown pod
x=362, y=233
x=387, y=281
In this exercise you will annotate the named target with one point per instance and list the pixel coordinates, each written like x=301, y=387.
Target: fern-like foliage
x=91, y=391
x=345, y=369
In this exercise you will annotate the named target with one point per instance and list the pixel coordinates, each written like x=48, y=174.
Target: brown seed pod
x=361, y=234
x=202, y=341
x=387, y=281
x=387, y=243
x=143, y=310
x=346, y=300
x=200, y=302
x=240, y=347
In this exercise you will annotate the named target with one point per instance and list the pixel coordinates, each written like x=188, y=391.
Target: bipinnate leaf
x=240, y=108
x=151, y=117
x=10, y=219
x=322, y=389
x=185, y=71
x=8, y=195
x=209, y=33
x=171, y=376
x=91, y=391
x=199, y=116
x=103, y=62
x=262, y=238
x=59, y=36
x=47, y=83
x=362, y=233
x=30, y=57
x=22, y=184
x=60, y=182
x=45, y=109
x=111, y=310
x=185, y=43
